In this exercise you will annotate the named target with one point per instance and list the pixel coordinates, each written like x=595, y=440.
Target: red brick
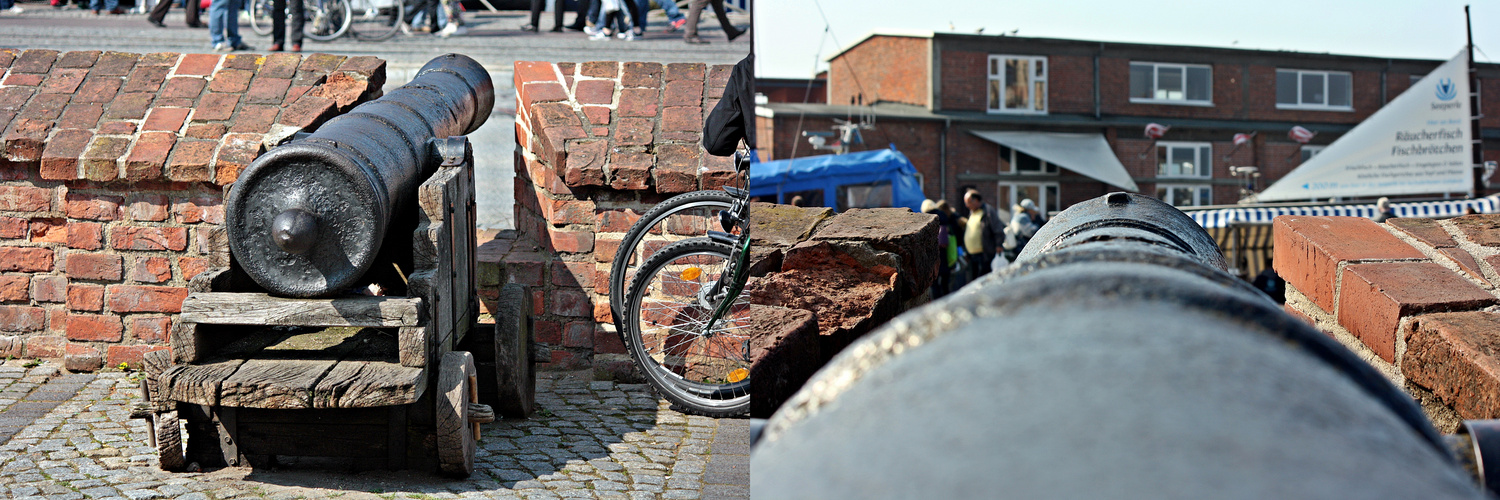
x=685, y=71
x=615, y=221
x=676, y=168
x=85, y=235
x=22, y=318
x=630, y=171
x=85, y=297
x=639, y=102
x=145, y=79
x=80, y=116
x=101, y=89
x=267, y=90
x=130, y=355
x=539, y=92
x=534, y=71
x=321, y=63
x=254, y=119
x=77, y=59
x=1453, y=355
x=597, y=115
x=80, y=358
x=26, y=260
x=213, y=131
x=294, y=93
x=1309, y=249
x=60, y=159
x=344, y=88
x=718, y=75
x=215, y=107
x=717, y=172
x=131, y=106
x=15, y=287
x=236, y=153
x=149, y=207
x=168, y=59
x=607, y=342
x=280, y=66
x=573, y=274
x=538, y=304
x=25, y=199
x=46, y=107
x=585, y=164
x=242, y=61
x=192, y=161
x=682, y=118
x=548, y=332
x=571, y=241
x=165, y=119
x=602, y=313
x=525, y=268
x=153, y=329
x=183, y=88
x=49, y=288
x=570, y=302
x=24, y=80
x=368, y=66
x=92, y=206
x=132, y=298
x=683, y=93
x=45, y=347
x=114, y=64
x=231, y=81
x=13, y=228
x=309, y=110
x=197, y=64
x=101, y=161
x=200, y=209
x=25, y=140
x=605, y=249
x=572, y=212
x=1375, y=297
x=49, y=231
x=578, y=334
x=63, y=81
x=1465, y=262
x=600, y=69
x=151, y=269
x=595, y=92
x=191, y=266
x=1483, y=229
x=149, y=238
x=634, y=132
x=641, y=74
x=148, y=158
x=94, y=266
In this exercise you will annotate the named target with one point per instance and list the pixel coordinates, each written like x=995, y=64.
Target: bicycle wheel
x=687, y=214
x=326, y=19
x=375, y=20
x=703, y=373
x=260, y=17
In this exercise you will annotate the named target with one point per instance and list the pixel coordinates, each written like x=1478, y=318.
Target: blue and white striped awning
x=1434, y=209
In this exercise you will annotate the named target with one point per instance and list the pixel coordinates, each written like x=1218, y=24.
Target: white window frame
x=995, y=70
x=1048, y=168
x=1318, y=107
x=1308, y=151
x=1197, y=189
x=1204, y=151
x=1156, y=84
x=1045, y=204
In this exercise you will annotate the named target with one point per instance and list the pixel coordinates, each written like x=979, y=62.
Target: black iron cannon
x=309, y=218
x=1115, y=359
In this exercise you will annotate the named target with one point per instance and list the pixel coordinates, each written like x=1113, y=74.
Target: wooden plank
x=273, y=383
x=412, y=345
x=431, y=213
x=261, y=309
x=364, y=384
x=197, y=384
x=212, y=280
x=463, y=252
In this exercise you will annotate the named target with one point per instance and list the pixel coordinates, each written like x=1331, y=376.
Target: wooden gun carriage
x=369, y=381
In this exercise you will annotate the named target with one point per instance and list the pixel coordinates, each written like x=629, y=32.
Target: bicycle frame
x=739, y=258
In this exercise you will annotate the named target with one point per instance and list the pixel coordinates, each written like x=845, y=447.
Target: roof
x=910, y=112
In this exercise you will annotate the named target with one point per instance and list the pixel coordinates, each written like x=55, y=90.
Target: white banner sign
x=1419, y=143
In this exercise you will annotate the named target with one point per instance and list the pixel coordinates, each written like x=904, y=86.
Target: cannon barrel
x=308, y=218
x=1115, y=359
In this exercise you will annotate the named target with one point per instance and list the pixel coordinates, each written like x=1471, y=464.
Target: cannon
x=308, y=219
x=309, y=373
x=1116, y=358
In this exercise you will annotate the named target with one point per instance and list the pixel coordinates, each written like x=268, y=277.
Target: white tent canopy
x=1087, y=154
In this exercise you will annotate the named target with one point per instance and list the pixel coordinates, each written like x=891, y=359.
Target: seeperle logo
x=1445, y=90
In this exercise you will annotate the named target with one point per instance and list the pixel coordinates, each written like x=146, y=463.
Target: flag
x=1241, y=139
x=1156, y=130
x=1301, y=135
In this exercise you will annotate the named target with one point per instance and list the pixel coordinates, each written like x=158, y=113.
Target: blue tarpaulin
x=779, y=179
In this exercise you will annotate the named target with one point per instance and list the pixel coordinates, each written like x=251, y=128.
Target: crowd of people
x=626, y=19
x=977, y=238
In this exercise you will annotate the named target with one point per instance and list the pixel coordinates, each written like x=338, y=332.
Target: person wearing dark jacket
x=984, y=230
x=733, y=118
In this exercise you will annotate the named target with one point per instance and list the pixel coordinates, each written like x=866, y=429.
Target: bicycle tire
x=326, y=19
x=260, y=17
x=701, y=374
x=373, y=23
x=632, y=244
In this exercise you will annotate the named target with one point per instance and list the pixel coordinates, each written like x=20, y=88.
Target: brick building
x=952, y=103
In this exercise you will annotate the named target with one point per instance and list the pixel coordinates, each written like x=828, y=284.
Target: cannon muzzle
x=308, y=218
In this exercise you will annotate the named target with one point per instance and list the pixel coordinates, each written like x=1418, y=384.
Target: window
x=1310, y=151
x=1018, y=84
x=1184, y=159
x=1022, y=163
x=1044, y=194
x=864, y=195
x=1171, y=83
x=1184, y=196
x=1300, y=89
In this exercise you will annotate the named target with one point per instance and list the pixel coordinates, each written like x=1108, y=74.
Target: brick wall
x=599, y=143
x=112, y=181
x=883, y=69
x=1416, y=297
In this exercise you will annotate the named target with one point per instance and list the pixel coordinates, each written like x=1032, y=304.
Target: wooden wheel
x=515, y=370
x=455, y=435
x=168, y=441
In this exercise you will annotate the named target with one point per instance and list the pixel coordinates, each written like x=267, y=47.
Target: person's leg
x=536, y=15
x=557, y=15
x=158, y=11
x=217, y=12
x=594, y=8
x=637, y=15
x=298, y=15
x=695, y=10
x=95, y=5
x=232, y=22
x=670, y=7
x=729, y=29
x=192, y=9
x=432, y=16
x=278, y=21
x=581, y=15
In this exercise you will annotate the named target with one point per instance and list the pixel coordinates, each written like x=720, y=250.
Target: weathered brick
x=26, y=139
x=113, y=64
x=151, y=328
x=718, y=74
x=1309, y=249
x=13, y=227
x=267, y=90
x=85, y=297
x=60, y=158
x=641, y=74
x=595, y=92
x=45, y=107
x=634, y=132
x=99, y=89
x=129, y=106
x=602, y=313
x=616, y=220
x=94, y=266
x=676, y=168
x=8, y=56
x=1375, y=296
x=85, y=235
x=77, y=59
x=639, y=102
x=526, y=268
x=22, y=318
x=578, y=334
x=682, y=119
x=189, y=267
x=242, y=61
x=213, y=131
x=280, y=66
x=101, y=161
x=129, y=355
x=149, y=207
x=685, y=71
x=600, y=69
x=200, y=209
x=369, y=66
x=570, y=241
x=573, y=274
x=215, y=107
x=81, y=358
x=607, y=342
x=596, y=115
x=49, y=230
x=344, y=88
x=197, y=64
x=49, y=288
x=534, y=71
x=25, y=199
x=26, y=260
x=585, y=164
x=15, y=287
x=25, y=80
x=117, y=128
x=1483, y=229
x=1465, y=262
x=92, y=206
x=629, y=170
x=151, y=270
x=80, y=116
x=254, y=119
x=683, y=93
x=307, y=111
x=149, y=238
x=192, y=161
x=145, y=79
x=34, y=61
x=165, y=119
x=548, y=332
x=572, y=212
x=236, y=153
x=183, y=88
x=63, y=81
x=230, y=80
x=321, y=63
x=570, y=302
x=539, y=92
x=133, y=298
x=95, y=328
x=148, y=158
x=168, y=59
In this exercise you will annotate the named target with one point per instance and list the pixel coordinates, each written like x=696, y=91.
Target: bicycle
x=684, y=321
x=325, y=19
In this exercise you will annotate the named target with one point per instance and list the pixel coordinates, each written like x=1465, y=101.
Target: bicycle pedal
x=736, y=192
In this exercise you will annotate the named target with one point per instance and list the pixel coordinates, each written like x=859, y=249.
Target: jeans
x=104, y=4
x=6, y=4
x=667, y=6
x=224, y=21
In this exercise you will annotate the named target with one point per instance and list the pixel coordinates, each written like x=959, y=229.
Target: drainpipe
x=943, y=159
x=1096, y=80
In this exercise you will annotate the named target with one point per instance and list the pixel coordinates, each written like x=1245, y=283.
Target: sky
x=792, y=43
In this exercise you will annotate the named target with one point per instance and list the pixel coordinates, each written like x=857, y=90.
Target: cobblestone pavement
x=589, y=440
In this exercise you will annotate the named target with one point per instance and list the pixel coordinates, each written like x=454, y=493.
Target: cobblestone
x=597, y=440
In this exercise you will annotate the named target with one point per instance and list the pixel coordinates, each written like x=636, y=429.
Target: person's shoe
x=576, y=27
x=405, y=29
x=677, y=25
x=694, y=40
x=591, y=31
x=529, y=27
x=557, y=29
x=96, y=12
x=14, y=9
x=241, y=46
x=600, y=35
x=453, y=29
x=116, y=11
x=735, y=34
x=198, y=25
x=626, y=36
x=222, y=47
x=156, y=23
x=296, y=47
x=275, y=47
